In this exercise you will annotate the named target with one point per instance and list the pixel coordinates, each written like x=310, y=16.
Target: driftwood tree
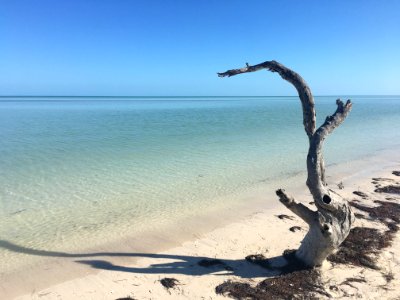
x=330, y=224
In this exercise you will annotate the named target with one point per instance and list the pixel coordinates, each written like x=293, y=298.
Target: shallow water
x=84, y=171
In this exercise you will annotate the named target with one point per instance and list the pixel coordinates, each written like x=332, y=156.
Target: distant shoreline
x=235, y=96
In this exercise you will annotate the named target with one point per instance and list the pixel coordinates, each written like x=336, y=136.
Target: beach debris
x=390, y=189
x=358, y=248
x=384, y=211
x=295, y=228
x=363, y=243
x=360, y=216
x=208, y=263
x=290, y=286
x=260, y=260
x=383, y=179
x=389, y=276
x=361, y=194
x=292, y=263
x=297, y=281
x=397, y=173
x=169, y=283
x=282, y=217
x=349, y=281
x=340, y=185
x=126, y=298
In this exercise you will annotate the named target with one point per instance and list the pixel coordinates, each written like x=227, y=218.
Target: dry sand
x=262, y=232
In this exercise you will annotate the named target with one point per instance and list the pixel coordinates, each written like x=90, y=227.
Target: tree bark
x=331, y=223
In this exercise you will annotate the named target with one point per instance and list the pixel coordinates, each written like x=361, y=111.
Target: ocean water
x=76, y=172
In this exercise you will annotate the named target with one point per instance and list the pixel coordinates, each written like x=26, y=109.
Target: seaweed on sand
x=260, y=260
x=294, y=282
x=359, y=246
x=397, y=173
x=297, y=282
x=361, y=194
x=363, y=243
x=207, y=263
x=386, y=210
x=210, y=263
x=282, y=217
x=295, y=285
x=390, y=189
x=169, y=282
x=294, y=228
x=349, y=281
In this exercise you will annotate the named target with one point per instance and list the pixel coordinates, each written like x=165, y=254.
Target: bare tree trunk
x=331, y=223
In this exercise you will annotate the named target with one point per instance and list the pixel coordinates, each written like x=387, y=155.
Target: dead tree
x=331, y=223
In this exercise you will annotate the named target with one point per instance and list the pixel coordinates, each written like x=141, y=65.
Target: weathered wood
x=331, y=223
x=301, y=86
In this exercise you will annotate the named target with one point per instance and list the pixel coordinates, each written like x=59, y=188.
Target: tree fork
x=331, y=223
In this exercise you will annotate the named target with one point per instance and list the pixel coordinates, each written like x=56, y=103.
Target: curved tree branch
x=299, y=83
x=330, y=225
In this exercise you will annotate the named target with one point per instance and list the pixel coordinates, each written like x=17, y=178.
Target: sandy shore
x=112, y=275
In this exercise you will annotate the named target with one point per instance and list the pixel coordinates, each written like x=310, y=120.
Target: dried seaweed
x=360, y=216
x=382, y=179
x=290, y=256
x=239, y=290
x=397, y=173
x=210, y=262
x=388, y=276
x=354, y=280
x=282, y=217
x=361, y=194
x=305, y=284
x=260, y=260
x=169, y=282
x=390, y=189
x=207, y=263
x=349, y=281
x=363, y=243
x=295, y=228
x=384, y=212
x=359, y=247
x=294, y=264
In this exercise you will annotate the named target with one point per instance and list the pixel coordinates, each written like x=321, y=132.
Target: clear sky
x=165, y=47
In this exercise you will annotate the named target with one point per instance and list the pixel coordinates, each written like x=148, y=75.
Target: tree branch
x=331, y=223
x=309, y=216
x=295, y=79
x=315, y=162
x=334, y=120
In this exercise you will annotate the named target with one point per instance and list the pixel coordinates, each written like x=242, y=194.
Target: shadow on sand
x=177, y=264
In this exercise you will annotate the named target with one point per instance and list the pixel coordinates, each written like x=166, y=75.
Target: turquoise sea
x=82, y=171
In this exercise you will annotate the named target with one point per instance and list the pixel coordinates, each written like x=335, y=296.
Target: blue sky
x=84, y=47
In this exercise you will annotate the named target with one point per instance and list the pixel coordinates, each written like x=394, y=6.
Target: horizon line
x=188, y=96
